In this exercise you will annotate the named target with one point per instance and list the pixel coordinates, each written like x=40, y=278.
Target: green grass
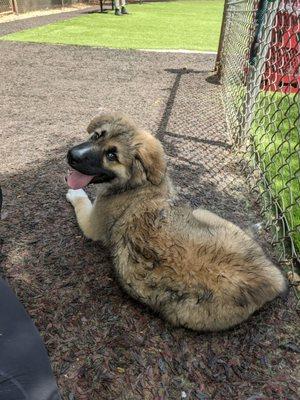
x=276, y=138
x=185, y=24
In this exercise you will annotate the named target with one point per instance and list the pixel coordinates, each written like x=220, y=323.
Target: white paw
x=73, y=195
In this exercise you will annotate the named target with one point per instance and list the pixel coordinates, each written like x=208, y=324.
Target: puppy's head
x=117, y=153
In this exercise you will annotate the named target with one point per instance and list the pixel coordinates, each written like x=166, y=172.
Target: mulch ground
x=102, y=344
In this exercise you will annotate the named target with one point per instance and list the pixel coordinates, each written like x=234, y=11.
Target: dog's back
x=205, y=274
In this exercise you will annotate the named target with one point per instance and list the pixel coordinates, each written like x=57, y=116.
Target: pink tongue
x=77, y=180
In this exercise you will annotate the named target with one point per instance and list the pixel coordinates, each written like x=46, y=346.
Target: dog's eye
x=98, y=135
x=95, y=136
x=111, y=155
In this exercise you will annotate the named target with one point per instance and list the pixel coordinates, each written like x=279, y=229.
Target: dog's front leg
x=83, y=210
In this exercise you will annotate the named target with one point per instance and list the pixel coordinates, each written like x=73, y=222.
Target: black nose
x=85, y=158
x=79, y=154
x=72, y=157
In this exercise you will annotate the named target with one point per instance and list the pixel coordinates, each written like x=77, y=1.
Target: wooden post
x=218, y=67
x=15, y=6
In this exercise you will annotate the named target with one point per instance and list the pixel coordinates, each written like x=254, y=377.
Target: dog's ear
x=150, y=153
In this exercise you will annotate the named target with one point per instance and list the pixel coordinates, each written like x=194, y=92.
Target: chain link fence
x=22, y=6
x=259, y=66
x=6, y=6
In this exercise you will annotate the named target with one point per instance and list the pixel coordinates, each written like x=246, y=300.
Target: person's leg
x=123, y=9
x=120, y=7
x=25, y=372
x=117, y=7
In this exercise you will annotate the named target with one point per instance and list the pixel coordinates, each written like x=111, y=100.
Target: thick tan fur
x=193, y=267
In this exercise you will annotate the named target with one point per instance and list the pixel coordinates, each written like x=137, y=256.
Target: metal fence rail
x=259, y=66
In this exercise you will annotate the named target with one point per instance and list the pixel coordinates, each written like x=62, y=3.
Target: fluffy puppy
x=196, y=269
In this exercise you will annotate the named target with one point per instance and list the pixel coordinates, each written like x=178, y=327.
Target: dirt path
x=39, y=20
x=102, y=344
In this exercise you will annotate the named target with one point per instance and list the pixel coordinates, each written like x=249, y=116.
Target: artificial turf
x=276, y=140
x=184, y=24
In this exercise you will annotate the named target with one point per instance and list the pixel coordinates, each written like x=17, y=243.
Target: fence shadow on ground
x=103, y=344
x=89, y=325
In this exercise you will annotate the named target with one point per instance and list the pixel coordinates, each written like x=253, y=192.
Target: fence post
x=15, y=6
x=218, y=64
x=256, y=70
